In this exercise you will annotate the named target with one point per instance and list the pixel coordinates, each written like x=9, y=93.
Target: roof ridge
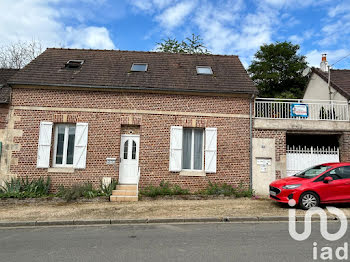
x=135, y=51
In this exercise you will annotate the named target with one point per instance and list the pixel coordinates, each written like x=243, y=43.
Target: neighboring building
x=291, y=135
x=6, y=141
x=173, y=117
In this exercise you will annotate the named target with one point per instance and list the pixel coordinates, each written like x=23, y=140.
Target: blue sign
x=299, y=110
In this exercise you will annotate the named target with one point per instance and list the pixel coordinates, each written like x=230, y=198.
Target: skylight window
x=204, y=70
x=139, y=67
x=74, y=64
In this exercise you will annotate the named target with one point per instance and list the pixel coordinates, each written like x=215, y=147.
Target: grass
x=143, y=209
x=25, y=188
x=164, y=189
x=226, y=190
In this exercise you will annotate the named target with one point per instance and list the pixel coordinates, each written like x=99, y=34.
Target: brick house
x=138, y=117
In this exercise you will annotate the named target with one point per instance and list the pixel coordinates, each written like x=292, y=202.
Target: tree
x=18, y=54
x=191, y=45
x=277, y=70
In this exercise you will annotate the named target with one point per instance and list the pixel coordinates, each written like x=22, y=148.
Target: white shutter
x=80, y=145
x=175, y=159
x=44, y=145
x=210, y=149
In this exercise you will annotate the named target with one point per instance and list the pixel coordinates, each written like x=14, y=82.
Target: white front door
x=129, y=159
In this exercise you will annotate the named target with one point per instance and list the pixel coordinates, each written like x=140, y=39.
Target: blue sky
x=226, y=26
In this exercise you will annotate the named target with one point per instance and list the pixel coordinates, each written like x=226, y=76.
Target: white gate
x=300, y=158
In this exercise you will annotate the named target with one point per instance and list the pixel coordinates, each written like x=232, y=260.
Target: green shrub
x=77, y=191
x=107, y=190
x=226, y=190
x=24, y=188
x=164, y=188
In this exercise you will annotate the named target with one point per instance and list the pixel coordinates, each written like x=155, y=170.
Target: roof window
x=139, y=67
x=204, y=70
x=74, y=64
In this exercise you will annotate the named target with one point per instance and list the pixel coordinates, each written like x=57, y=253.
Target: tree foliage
x=277, y=70
x=191, y=45
x=18, y=54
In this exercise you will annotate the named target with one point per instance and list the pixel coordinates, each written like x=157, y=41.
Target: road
x=162, y=242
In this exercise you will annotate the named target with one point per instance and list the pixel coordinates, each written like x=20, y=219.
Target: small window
x=133, y=150
x=74, y=64
x=126, y=148
x=192, y=154
x=64, y=145
x=139, y=67
x=204, y=70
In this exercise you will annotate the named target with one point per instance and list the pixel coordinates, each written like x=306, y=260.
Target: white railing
x=272, y=108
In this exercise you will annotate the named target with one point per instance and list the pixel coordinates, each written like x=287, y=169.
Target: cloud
x=89, y=37
x=46, y=22
x=150, y=5
x=314, y=56
x=175, y=15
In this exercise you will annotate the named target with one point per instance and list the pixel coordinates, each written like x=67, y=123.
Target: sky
x=227, y=27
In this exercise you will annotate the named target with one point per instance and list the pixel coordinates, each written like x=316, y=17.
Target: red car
x=326, y=183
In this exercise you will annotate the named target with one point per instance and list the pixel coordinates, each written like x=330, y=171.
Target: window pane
x=60, y=144
x=198, y=149
x=126, y=145
x=186, y=148
x=139, y=67
x=133, y=155
x=70, y=147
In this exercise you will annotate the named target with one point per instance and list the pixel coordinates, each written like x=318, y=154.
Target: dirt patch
x=142, y=209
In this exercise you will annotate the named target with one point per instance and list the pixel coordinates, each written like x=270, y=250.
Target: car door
x=344, y=172
x=335, y=190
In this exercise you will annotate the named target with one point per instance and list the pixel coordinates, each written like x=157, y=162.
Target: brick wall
x=105, y=131
x=344, y=147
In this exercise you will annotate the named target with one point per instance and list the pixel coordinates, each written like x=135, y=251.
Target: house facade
x=290, y=135
x=137, y=117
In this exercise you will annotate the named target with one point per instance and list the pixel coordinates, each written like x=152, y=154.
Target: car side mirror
x=327, y=179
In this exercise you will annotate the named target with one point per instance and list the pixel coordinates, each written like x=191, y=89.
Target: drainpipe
x=251, y=142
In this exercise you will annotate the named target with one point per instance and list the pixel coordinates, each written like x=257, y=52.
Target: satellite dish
x=306, y=71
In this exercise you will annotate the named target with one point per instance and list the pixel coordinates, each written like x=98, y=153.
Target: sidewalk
x=148, y=211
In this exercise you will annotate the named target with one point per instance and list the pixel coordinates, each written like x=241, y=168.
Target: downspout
x=251, y=142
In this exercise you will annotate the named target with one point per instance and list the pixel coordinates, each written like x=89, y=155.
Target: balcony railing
x=271, y=108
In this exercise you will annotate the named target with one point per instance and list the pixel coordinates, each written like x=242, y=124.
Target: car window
x=337, y=173
x=312, y=171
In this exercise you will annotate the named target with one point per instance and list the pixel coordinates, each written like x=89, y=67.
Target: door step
x=124, y=193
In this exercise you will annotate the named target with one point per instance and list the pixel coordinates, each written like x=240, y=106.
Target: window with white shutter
x=210, y=149
x=175, y=154
x=80, y=145
x=44, y=145
x=63, y=152
x=192, y=149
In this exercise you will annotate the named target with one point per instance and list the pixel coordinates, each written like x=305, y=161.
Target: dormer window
x=74, y=64
x=139, y=67
x=204, y=70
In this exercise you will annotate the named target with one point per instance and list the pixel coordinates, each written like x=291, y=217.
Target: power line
x=340, y=59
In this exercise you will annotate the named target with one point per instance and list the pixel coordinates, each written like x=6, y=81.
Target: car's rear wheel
x=309, y=200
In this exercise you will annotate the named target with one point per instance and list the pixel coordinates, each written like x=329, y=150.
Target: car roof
x=337, y=164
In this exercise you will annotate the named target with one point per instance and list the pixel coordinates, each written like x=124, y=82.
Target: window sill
x=192, y=173
x=60, y=170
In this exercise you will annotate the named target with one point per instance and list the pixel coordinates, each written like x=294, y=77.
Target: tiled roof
x=111, y=69
x=5, y=90
x=340, y=80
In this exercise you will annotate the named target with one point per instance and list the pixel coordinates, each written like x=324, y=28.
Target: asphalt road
x=162, y=242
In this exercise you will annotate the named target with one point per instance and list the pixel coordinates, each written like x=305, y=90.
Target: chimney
x=324, y=63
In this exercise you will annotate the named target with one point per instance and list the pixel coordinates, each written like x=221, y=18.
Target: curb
x=155, y=221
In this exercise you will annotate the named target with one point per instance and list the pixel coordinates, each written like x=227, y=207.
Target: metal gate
x=300, y=158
